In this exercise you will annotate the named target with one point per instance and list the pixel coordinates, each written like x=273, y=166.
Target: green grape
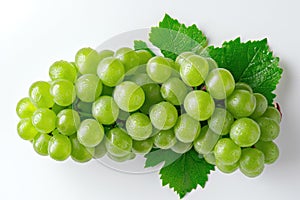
x=130, y=156
x=129, y=96
x=163, y=115
x=243, y=86
x=88, y=87
x=220, y=83
x=269, y=128
x=105, y=53
x=174, y=91
x=100, y=149
x=87, y=60
x=128, y=57
x=118, y=143
x=220, y=121
x=182, y=57
x=79, y=152
x=105, y=110
x=138, y=126
x=272, y=113
x=211, y=64
x=111, y=71
x=194, y=70
x=39, y=94
x=25, y=108
x=159, y=69
x=44, y=120
x=141, y=79
x=40, y=143
x=270, y=150
x=67, y=122
x=63, y=92
x=26, y=130
x=90, y=133
x=144, y=56
x=227, y=152
x=152, y=96
x=59, y=147
x=63, y=70
x=227, y=168
x=57, y=108
x=143, y=146
x=206, y=141
x=261, y=105
x=186, y=128
x=165, y=139
x=210, y=158
x=245, y=132
x=199, y=105
x=251, y=162
x=241, y=103
x=106, y=90
x=181, y=148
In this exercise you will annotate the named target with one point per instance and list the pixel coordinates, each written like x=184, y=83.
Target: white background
x=34, y=34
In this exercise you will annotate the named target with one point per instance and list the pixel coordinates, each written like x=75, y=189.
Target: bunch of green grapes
x=129, y=102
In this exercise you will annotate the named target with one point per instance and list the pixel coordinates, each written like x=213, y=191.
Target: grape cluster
x=128, y=102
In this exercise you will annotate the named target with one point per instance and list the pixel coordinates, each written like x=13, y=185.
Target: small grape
x=138, y=126
x=159, y=69
x=270, y=150
x=163, y=115
x=251, y=162
x=186, y=128
x=88, y=87
x=111, y=71
x=44, y=120
x=26, y=130
x=241, y=103
x=227, y=152
x=245, y=132
x=40, y=143
x=199, y=105
x=59, y=147
x=25, y=108
x=63, y=70
x=221, y=121
x=63, y=92
x=220, y=83
x=39, y=94
x=118, y=143
x=194, y=70
x=67, y=122
x=261, y=105
x=129, y=96
x=269, y=128
x=128, y=57
x=165, y=139
x=90, y=133
x=87, y=60
x=105, y=110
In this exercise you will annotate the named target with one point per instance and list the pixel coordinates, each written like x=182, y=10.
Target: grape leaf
x=173, y=38
x=252, y=63
x=141, y=45
x=158, y=156
x=186, y=173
